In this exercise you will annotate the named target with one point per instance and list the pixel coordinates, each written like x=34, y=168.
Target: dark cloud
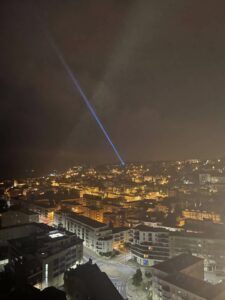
x=154, y=70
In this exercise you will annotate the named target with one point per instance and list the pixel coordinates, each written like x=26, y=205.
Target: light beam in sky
x=91, y=109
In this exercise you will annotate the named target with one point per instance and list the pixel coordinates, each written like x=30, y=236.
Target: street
x=116, y=268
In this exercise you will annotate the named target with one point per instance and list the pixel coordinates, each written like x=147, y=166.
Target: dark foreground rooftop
x=91, y=283
x=13, y=290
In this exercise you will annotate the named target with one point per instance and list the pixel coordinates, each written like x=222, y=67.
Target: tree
x=137, y=278
x=148, y=274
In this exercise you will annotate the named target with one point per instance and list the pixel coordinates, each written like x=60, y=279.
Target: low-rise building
x=117, y=219
x=44, y=209
x=183, y=287
x=22, y=230
x=201, y=215
x=182, y=278
x=93, y=212
x=19, y=216
x=121, y=236
x=209, y=246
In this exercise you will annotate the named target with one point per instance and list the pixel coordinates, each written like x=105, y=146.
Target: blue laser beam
x=84, y=98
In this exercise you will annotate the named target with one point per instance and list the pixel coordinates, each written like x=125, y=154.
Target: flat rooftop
x=28, y=212
x=150, y=229
x=195, y=286
x=86, y=220
x=44, y=244
x=43, y=226
x=177, y=263
x=120, y=229
x=212, y=235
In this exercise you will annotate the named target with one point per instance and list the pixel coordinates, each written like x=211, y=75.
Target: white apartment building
x=96, y=236
x=149, y=245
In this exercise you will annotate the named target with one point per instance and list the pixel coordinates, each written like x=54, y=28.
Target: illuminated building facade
x=201, y=215
x=149, y=245
x=96, y=235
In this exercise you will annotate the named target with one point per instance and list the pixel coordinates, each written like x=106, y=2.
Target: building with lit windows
x=44, y=210
x=96, y=235
x=201, y=215
x=149, y=245
x=209, y=246
x=121, y=236
x=42, y=259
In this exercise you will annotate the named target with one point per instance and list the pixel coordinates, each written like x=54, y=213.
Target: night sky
x=154, y=71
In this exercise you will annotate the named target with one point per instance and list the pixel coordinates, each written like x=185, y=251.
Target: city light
x=80, y=222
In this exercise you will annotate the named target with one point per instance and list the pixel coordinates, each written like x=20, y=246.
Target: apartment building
x=209, y=246
x=149, y=245
x=96, y=235
x=42, y=259
x=19, y=216
x=182, y=278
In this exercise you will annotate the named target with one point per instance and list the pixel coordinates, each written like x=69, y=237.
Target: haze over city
x=154, y=72
x=112, y=157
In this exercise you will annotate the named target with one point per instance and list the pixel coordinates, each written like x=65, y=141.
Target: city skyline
x=112, y=156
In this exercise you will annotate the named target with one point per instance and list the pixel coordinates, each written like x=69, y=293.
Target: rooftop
x=150, y=229
x=42, y=226
x=195, y=286
x=177, y=263
x=215, y=234
x=20, y=210
x=86, y=220
x=119, y=229
x=28, y=212
x=45, y=244
x=97, y=284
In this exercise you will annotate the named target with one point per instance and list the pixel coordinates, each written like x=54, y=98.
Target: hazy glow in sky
x=154, y=72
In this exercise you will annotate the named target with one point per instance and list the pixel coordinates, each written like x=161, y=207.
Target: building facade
x=208, y=246
x=97, y=236
x=42, y=259
x=21, y=216
x=149, y=245
x=182, y=278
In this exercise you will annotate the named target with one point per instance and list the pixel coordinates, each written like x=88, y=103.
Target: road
x=117, y=268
